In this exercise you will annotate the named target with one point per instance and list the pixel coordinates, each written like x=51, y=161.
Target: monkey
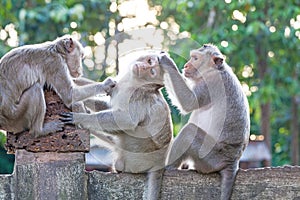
x=218, y=128
x=25, y=70
x=140, y=120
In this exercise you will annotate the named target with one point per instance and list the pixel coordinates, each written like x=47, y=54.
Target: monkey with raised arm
x=140, y=119
x=218, y=129
x=23, y=73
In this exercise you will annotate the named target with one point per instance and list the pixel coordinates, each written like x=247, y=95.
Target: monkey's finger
x=114, y=83
x=66, y=120
x=60, y=125
x=162, y=57
x=69, y=123
x=66, y=114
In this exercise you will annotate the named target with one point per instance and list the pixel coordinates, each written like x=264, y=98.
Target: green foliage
x=2, y=139
x=6, y=161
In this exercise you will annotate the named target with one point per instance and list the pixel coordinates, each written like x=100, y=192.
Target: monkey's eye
x=205, y=46
x=149, y=61
x=194, y=58
x=152, y=71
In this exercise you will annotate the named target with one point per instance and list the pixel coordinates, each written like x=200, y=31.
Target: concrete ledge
x=49, y=175
x=6, y=187
x=259, y=184
x=263, y=183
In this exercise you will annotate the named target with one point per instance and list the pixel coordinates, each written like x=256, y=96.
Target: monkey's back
x=236, y=129
x=24, y=66
x=237, y=115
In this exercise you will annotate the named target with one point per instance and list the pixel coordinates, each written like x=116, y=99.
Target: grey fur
x=139, y=117
x=23, y=73
x=218, y=130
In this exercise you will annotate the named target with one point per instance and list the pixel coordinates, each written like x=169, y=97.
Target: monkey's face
x=192, y=67
x=206, y=57
x=74, y=60
x=147, y=68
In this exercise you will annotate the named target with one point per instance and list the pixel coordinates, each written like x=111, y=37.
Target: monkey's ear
x=218, y=60
x=69, y=45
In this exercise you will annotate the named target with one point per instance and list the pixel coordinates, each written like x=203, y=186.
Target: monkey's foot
x=50, y=127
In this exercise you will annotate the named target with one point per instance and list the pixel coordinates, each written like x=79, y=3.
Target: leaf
x=255, y=27
x=2, y=139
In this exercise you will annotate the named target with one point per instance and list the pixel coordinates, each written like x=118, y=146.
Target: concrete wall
x=264, y=183
x=54, y=176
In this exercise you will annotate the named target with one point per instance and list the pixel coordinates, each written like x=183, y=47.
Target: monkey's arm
x=107, y=120
x=96, y=104
x=82, y=92
x=71, y=93
x=83, y=81
x=177, y=86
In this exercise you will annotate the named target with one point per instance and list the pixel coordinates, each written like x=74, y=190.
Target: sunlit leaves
x=255, y=27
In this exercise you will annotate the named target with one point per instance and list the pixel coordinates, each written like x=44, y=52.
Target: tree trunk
x=265, y=107
x=295, y=132
x=265, y=123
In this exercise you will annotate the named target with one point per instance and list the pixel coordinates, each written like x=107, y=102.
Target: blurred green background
x=260, y=38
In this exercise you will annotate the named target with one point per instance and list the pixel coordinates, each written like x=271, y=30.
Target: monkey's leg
x=228, y=177
x=211, y=163
x=153, y=185
x=33, y=100
x=181, y=147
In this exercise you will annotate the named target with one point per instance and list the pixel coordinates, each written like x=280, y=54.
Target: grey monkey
x=139, y=118
x=23, y=73
x=218, y=129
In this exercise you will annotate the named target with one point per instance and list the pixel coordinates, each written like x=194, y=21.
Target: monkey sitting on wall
x=218, y=129
x=23, y=73
x=140, y=119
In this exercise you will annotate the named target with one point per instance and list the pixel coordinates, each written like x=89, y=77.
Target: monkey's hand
x=108, y=85
x=67, y=118
x=166, y=62
x=80, y=120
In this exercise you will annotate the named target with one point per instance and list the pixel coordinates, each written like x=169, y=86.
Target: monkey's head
x=73, y=52
x=208, y=56
x=147, y=69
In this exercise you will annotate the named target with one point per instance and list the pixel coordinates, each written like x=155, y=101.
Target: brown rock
x=71, y=139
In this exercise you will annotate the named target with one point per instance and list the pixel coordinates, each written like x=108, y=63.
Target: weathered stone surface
x=6, y=187
x=54, y=176
x=187, y=185
x=109, y=186
x=49, y=176
x=70, y=139
x=261, y=184
x=268, y=183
